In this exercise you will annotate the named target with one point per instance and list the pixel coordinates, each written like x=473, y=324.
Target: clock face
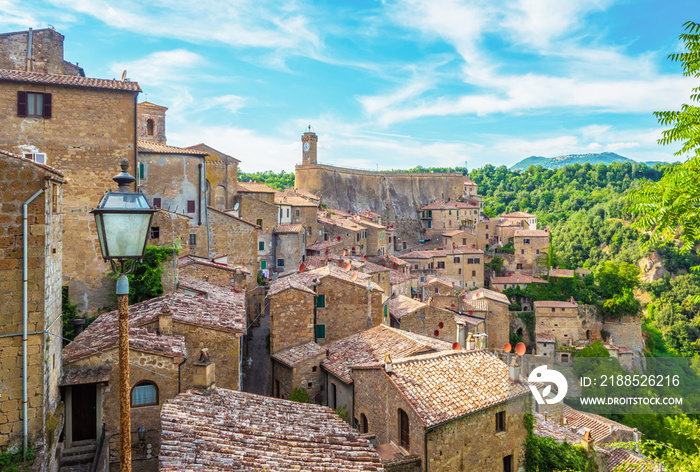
x=306, y=146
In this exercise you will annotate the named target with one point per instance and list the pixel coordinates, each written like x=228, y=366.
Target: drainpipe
x=30, y=34
x=179, y=373
x=24, y=317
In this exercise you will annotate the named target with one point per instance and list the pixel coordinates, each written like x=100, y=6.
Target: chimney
x=587, y=440
x=165, y=320
x=204, y=376
x=514, y=369
x=388, y=365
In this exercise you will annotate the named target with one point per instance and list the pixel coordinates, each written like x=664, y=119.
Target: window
x=553, y=310
x=464, y=241
x=459, y=271
x=296, y=212
x=34, y=104
x=193, y=239
x=500, y=421
x=364, y=426
x=430, y=225
x=38, y=157
x=436, y=290
x=142, y=170
x=280, y=262
x=263, y=265
x=190, y=206
x=537, y=251
x=518, y=266
x=404, y=434
x=321, y=332
x=261, y=245
x=441, y=265
x=314, y=368
x=155, y=232
x=144, y=394
x=55, y=198
x=456, y=260
x=149, y=127
x=487, y=227
x=473, y=273
x=321, y=302
x=259, y=222
x=287, y=212
x=310, y=385
x=477, y=260
x=487, y=235
x=526, y=241
x=358, y=237
x=522, y=251
x=333, y=397
x=157, y=202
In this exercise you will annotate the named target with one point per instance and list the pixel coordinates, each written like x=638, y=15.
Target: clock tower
x=308, y=147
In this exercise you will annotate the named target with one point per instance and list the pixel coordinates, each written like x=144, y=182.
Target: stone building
x=466, y=265
x=345, y=229
x=288, y=247
x=531, y=248
x=420, y=318
x=469, y=416
x=214, y=271
x=494, y=306
x=438, y=285
x=222, y=176
x=529, y=221
x=22, y=180
x=150, y=125
x=256, y=203
x=517, y=280
x=296, y=209
x=39, y=51
x=448, y=215
x=166, y=337
x=219, y=429
x=322, y=305
x=53, y=119
x=560, y=319
x=175, y=179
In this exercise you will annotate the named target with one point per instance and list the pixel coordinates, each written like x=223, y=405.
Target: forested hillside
x=278, y=181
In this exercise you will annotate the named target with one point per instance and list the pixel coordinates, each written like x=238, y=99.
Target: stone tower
x=151, y=122
x=309, y=141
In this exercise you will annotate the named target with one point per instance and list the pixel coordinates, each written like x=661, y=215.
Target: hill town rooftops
x=545, y=338
x=532, y=233
x=296, y=354
x=561, y=273
x=67, y=80
x=484, y=293
x=402, y=305
x=289, y=228
x=306, y=279
x=159, y=148
x=601, y=428
x=444, y=386
x=226, y=430
x=292, y=200
x=372, y=345
x=554, y=304
x=518, y=214
x=24, y=159
x=253, y=187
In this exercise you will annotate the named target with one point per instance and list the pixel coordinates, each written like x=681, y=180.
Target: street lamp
x=123, y=219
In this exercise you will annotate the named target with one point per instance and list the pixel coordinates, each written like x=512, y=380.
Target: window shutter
x=47, y=106
x=21, y=103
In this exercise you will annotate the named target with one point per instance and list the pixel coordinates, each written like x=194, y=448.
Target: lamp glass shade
x=123, y=220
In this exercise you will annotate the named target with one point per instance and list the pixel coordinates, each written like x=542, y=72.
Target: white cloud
x=162, y=67
x=13, y=14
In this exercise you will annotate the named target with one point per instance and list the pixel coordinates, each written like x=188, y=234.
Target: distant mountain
x=561, y=161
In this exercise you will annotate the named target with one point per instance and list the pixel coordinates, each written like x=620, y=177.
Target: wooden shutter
x=46, y=112
x=156, y=202
x=21, y=103
x=190, y=206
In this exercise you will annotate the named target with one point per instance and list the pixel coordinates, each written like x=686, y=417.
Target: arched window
x=364, y=427
x=149, y=127
x=144, y=394
x=404, y=434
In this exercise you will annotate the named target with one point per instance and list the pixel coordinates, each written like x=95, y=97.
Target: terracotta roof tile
x=561, y=273
x=629, y=461
x=292, y=200
x=306, y=279
x=402, y=305
x=68, y=80
x=79, y=375
x=228, y=430
x=554, y=304
x=289, y=228
x=440, y=280
x=160, y=148
x=545, y=338
x=532, y=233
x=286, y=283
x=254, y=187
x=393, y=260
x=546, y=428
x=601, y=428
x=447, y=385
x=296, y=354
x=320, y=246
x=24, y=159
x=372, y=345
x=190, y=259
x=397, y=278
x=518, y=214
x=484, y=293
x=450, y=234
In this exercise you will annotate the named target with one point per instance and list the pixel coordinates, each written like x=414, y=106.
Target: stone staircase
x=79, y=457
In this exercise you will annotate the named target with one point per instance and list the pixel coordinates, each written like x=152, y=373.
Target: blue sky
x=389, y=84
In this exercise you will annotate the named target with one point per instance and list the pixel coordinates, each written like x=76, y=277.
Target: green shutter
x=320, y=331
x=263, y=265
x=261, y=246
x=141, y=170
x=385, y=311
x=321, y=301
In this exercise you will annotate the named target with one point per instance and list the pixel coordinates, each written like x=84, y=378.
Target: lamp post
x=123, y=219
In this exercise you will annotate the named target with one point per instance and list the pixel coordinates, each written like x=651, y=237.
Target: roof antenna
x=124, y=75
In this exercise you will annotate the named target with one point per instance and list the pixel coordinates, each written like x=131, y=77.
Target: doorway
x=84, y=412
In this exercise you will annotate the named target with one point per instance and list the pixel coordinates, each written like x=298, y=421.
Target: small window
x=487, y=227
x=553, y=310
x=364, y=425
x=314, y=369
x=522, y=251
x=144, y=394
x=537, y=251
x=33, y=104
x=477, y=260
x=358, y=237
x=526, y=241
x=508, y=463
x=470, y=261
x=149, y=127
x=155, y=232
x=261, y=245
x=193, y=239
x=287, y=212
x=320, y=331
x=309, y=385
x=259, y=222
x=441, y=265
x=190, y=206
x=457, y=260
x=280, y=262
x=459, y=271
x=500, y=421
x=157, y=202
x=142, y=170
x=296, y=212
x=320, y=301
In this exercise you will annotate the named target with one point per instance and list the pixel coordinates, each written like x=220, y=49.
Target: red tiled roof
x=532, y=233
x=545, y=338
x=190, y=259
x=518, y=214
x=396, y=277
x=292, y=200
x=488, y=294
x=601, y=428
x=402, y=305
x=254, y=187
x=68, y=80
x=286, y=283
x=296, y=354
x=323, y=245
x=629, y=461
x=448, y=385
x=152, y=105
x=160, y=148
x=227, y=430
x=289, y=228
x=450, y=234
x=24, y=159
x=561, y=273
x=372, y=345
x=79, y=375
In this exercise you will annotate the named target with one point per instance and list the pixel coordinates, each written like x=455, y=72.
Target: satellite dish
x=456, y=346
x=354, y=277
x=348, y=266
x=302, y=267
x=326, y=251
x=508, y=347
x=520, y=349
x=441, y=325
x=344, y=253
x=436, y=333
x=236, y=206
x=124, y=76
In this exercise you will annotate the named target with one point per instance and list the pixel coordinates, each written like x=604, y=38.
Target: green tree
x=300, y=395
x=669, y=207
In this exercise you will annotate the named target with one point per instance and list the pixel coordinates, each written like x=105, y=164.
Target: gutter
x=25, y=399
x=179, y=372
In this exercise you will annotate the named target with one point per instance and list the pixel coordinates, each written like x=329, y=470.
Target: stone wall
x=343, y=395
x=291, y=319
x=19, y=180
x=528, y=254
x=426, y=321
x=86, y=143
x=625, y=332
x=308, y=375
x=564, y=323
x=234, y=237
x=46, y=52
x=472, y=443
x=290, y=248
x=347, y=309
x=156, y=113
